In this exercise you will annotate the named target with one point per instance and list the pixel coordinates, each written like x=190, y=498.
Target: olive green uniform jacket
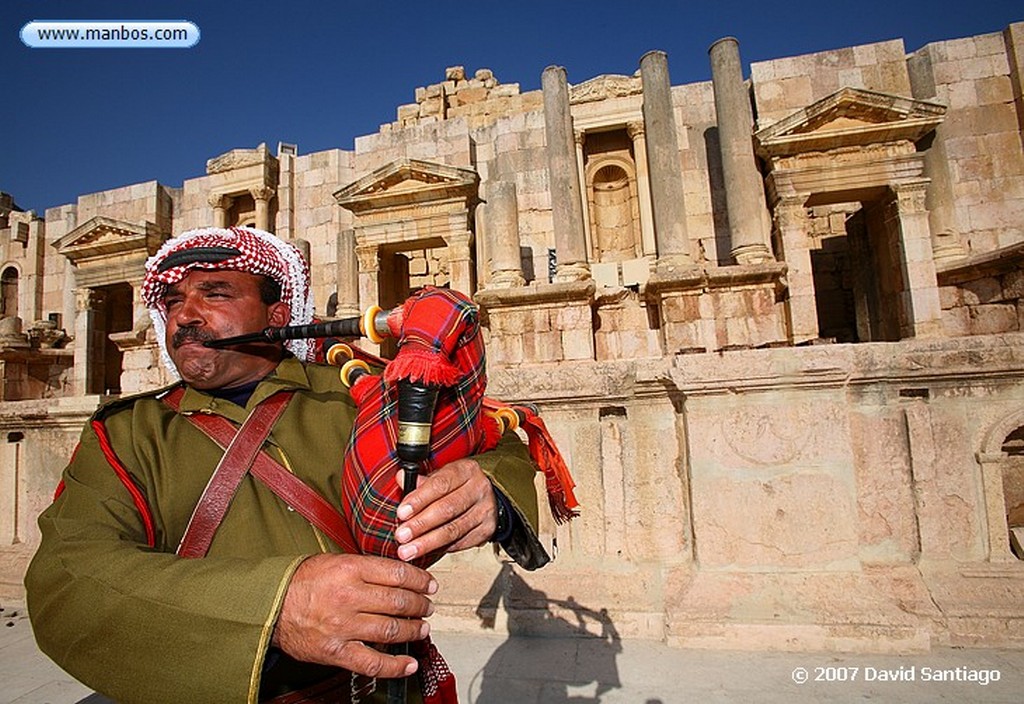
x=140, y=624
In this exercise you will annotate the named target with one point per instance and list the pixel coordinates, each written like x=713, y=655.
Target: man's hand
x=337, y=603
x=451, y=509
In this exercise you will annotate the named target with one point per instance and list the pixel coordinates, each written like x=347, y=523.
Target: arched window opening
x=9, y=293
x=1013, y=489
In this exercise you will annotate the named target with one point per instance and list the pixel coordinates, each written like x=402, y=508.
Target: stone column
x=744, y=190
x=84, y=370
x=635, y=130
x=369, y=274
x=262, y=196
x=793, y=226
x=920, y=295
x=580, y=137
x=460, y=261
x=503, y=235
x=995, y=506
x=220, y=204
x=285, y=225
x=666, y=171
x=564, y=182
x=348, y=275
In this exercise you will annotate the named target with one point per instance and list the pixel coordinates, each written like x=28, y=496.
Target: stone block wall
x=983, y=306
x=783, y=86
x=703, y=192
x=480, y=100
x=317, y=217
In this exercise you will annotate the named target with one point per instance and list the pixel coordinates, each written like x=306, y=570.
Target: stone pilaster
x=460, y=261
x=580, y=138
x=85, y=369
x=503, y=235
x=285, y=220
x=920, y=296
x=744, y=190
x=635, y=130
x=566, y=201
x=666, y=172
x=369, y=275
x=348, y=275
x=262, y=196
x=995, y=506
x=793, y=226
x=220, y=204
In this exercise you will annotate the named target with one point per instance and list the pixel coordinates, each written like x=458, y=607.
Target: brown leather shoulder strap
x=289, y=488
x=220, y=490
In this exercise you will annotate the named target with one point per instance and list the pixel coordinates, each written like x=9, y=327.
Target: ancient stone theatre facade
x=774, y=320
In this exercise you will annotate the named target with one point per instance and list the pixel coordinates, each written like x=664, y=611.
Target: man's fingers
x=364, y=660
x=391, y=573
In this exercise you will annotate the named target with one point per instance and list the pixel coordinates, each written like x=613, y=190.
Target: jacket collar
x=289, y=374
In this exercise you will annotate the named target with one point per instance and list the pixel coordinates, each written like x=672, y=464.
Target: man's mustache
x=190, y=334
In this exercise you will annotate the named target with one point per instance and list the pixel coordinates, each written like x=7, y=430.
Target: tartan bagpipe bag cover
x=439, y=344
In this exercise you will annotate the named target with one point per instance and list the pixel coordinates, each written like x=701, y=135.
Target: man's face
x=208, y=305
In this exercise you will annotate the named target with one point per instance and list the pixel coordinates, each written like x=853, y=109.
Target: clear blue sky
x=319, y=73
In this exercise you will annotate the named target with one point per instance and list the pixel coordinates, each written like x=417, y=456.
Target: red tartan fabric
x=440, y=341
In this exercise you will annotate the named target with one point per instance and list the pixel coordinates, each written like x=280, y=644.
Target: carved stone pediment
x=604, y=87
x=102, y=238
x=241, y=158
x=408, y=182
x=850, y=117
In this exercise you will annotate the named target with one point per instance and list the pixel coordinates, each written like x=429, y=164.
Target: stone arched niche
x=613, y=213
x=9, y=293
x=1001, y=459
x=1013, y=489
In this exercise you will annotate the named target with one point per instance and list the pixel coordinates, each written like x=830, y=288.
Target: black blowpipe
x=344, y=327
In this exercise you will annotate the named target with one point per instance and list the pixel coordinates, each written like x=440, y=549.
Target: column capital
x=219, y=201
x=458, y=244
x=368, y=259
x=86, y=298
x=790, y=211
x=580, y=137
x=910, y=196
x=264, y=193
x=635, y=129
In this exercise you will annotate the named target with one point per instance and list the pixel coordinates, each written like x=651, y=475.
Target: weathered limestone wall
x=317, y=217
x=36, y=438
x=981, y=136
x=694, y=106
x=783, y=86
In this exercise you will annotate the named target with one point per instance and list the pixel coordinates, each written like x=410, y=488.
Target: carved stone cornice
x=849, y=117
x=603, y=88
x=106, y=238
x=242, y=158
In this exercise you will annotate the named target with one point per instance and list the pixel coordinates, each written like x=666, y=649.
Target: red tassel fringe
x=420, y=364
x=545, y=455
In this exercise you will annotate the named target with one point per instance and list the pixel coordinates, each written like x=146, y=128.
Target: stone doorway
x=112, y=314
x=856, y=270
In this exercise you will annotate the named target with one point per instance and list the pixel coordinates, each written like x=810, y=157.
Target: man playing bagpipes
x=195, y=551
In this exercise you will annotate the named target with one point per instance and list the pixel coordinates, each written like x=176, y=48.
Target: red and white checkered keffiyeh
x=259, y=253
